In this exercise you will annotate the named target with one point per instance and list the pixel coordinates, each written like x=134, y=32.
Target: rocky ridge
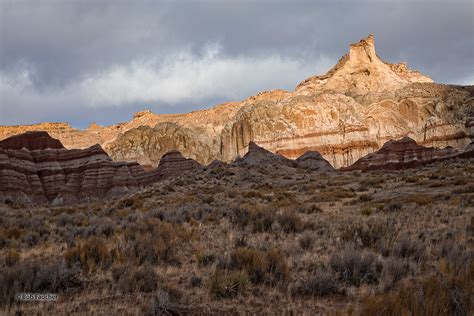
x=35, y=168
x=406, y=153
x=349, y=112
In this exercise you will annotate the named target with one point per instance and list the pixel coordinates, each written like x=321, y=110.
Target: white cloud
x=182, y=77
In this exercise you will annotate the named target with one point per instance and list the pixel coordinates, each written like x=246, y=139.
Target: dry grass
x=258, y=241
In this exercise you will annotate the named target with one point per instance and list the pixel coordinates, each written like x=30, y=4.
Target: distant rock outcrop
x=36, y=168
x=345, y=114
x=147, y=145
x=172, y=164
x=314, y=161
x=31, y=141
x=259, y=156
x=406, y=153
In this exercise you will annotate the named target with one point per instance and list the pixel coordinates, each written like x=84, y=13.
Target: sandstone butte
x=349, y=112
x=35, y=169
x=405, y=154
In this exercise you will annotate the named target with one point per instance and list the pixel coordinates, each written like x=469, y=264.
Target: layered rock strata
x=406, y=153
x=35, y=168
x=349, y=112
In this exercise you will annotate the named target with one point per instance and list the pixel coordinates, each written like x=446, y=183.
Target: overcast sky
x=85, y=61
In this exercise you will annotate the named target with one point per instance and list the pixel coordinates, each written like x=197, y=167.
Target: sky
x=101, y=61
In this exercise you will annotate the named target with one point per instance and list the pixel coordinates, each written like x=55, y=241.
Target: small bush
x=366, y=211
x=261, y=266
x=36, y=277
x=356, y=268
x=224, y=284
x=321, y=283
x=365, y=198
x=129, y=278
x=11, y=257
x=306, y=241
x=332, y=195
x=394, y=270
x=309, y=209
x=444, y=293
x=374, y=233
x=420, y=199
x=205, y=259
x=393, y=206
x=64, y=219
x=240, y=216
x=290, y=222
x=91, y=254
x=409, y=248
x=262, y=219
x=164, y=303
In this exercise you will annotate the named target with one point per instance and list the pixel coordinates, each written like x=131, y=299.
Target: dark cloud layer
x=83, y=61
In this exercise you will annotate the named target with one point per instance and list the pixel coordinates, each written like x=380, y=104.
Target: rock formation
x=258, y=156
x=31, y=141
x=349, y=112
x=36, y=168
x=146, y=145
x=406, y=153
x=172, y=164
x=314, y=161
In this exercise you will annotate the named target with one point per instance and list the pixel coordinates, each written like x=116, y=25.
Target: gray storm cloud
x=83, y=61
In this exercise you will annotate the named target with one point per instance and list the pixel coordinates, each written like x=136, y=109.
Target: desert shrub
x=262, y=219
x=465, y=189
x=393, y=206
x=448, y=292
x=240, y=241
x=91, y=254
x=355, y=267
x=420, y=199
x=310, y=208
x=195, y=281
x=412, y=179
x=253, y=194
x=240, y=216
x=64, y=219
x=101, y=226
x=332, y=194
x=133, y=202
x=285, y=199
x=374, y=233
x=290, y=222
x=36, y=277
x=261, y=266
x=225, y=284
x=408, y=248
x=208, y=199
x=306, y=241
x=365, y=198
x=4, y=242
x=146, y=248
x=154, y=241
x=205, y=259
x=366, y=211
x=14, y=232
x=277, y=266
x=129, y=278
x=31, y=238
x=455, y=256
x=394, y=270
x=11, y=257
x=163, y=303
x=320, y=283
x=370, y=182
